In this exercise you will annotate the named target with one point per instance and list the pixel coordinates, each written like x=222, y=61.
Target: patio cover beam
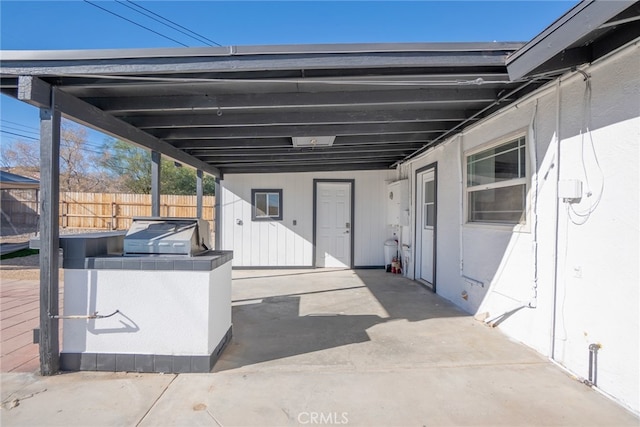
x=314, y=161
x=450, y=97
x=297, y=151
x=579, y=22
x=293, y=118
x=277, y=131
x=262, y=143
x=323, y=167
x=34, y=91
x=257, y=58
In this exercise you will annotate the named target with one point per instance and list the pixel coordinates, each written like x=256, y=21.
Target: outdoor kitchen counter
x=163, y=313
x=104, y=250
x=207, y=261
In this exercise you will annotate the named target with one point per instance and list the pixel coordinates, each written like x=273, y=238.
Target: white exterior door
x=333, y=224
x=426, y=225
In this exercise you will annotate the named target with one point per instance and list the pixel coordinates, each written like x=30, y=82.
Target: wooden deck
x=19, y=315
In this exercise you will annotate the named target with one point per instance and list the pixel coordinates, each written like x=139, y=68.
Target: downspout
x=552, y=346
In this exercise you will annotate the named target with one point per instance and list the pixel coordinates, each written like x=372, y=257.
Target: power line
x=79, y=148
x=36, y=131
x=193, y=35
x=20, y=124
x=134, y=23
x=17, y=134
x=62, y=144
x=17, y=129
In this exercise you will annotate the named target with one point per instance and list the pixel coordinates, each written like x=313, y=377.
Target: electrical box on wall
x=398, y=203
x=570, y=189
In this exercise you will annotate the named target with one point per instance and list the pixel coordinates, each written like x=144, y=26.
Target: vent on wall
x=313, y=141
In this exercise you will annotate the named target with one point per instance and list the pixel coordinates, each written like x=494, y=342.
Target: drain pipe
x=593, y=365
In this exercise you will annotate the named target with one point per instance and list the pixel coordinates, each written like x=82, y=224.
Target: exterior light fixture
x=313, y=141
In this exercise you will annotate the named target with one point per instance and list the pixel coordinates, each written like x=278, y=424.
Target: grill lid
x=167, y=236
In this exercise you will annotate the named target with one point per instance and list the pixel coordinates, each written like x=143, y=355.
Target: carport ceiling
x=236, y=109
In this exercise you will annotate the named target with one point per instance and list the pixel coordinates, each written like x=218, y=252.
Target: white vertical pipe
x=533, y=157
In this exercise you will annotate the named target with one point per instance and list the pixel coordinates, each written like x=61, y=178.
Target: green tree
x=131, y=166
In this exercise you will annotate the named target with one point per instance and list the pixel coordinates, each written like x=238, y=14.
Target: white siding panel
x=282, y=244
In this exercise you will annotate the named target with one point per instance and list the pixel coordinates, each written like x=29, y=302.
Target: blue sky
x=46, y=25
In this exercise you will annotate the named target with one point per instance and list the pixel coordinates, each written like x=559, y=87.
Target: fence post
x=65, y=210
x=114, y=216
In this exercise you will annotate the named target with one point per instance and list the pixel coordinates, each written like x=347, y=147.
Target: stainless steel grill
x=167, y=236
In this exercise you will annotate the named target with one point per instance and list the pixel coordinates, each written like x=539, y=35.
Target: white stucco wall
x=597, y=298
x=283, y=244
x=175, y=313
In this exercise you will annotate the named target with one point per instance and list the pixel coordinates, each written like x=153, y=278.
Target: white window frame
x=522, y=226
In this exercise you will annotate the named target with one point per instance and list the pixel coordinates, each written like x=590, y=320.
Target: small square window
x=266, y=205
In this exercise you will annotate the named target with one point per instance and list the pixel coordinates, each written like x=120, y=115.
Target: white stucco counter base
x=164, y=321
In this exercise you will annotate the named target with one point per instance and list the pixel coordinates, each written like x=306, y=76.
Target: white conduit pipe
x=461, y=210
x=532, y=143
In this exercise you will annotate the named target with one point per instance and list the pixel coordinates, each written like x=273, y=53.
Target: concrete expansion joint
x=155, y=402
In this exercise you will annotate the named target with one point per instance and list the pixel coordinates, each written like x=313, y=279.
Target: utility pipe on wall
x=461, y=210
x=533, y=157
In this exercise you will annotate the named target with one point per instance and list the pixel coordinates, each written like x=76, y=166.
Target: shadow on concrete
x=285, y=273
x=406, y=299
x=271, y=328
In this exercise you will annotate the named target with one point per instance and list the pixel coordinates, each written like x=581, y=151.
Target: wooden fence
x=106, y=211
x=19, y=207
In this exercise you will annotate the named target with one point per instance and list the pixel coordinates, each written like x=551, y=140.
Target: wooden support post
x=199, y=193
x=49, y=238
x=155, y=183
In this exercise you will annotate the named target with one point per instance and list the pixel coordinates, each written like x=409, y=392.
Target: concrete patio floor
x=339, y=347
